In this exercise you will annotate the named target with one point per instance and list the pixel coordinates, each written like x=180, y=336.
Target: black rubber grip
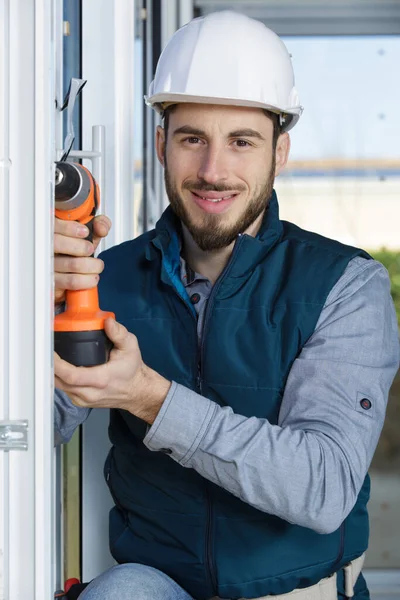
x=83, y=348
x=90, y=226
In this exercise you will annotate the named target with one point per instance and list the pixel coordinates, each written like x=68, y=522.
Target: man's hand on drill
x=124, y=382
x=74, y=268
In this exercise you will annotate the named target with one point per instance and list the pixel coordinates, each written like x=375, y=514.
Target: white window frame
x=108, y=35
x=27, y=153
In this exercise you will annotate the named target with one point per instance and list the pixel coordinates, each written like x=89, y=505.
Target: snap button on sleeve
x=365, y=403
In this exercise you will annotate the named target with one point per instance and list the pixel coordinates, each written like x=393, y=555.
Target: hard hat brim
x=157, y=102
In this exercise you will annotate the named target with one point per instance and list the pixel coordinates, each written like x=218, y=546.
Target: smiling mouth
x=215, y=197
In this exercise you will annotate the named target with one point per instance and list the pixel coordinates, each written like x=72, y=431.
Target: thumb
x=101, y=227
x=119, y=335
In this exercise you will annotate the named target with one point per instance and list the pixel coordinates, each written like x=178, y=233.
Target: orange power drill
x=79, y=336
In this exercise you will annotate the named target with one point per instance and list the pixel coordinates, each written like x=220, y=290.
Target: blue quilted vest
x=261, y=312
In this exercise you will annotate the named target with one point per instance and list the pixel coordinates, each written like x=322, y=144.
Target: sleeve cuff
x=67, y=417
x=181, y=423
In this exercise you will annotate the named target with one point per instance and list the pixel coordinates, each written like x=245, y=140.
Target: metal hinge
x=13, y=435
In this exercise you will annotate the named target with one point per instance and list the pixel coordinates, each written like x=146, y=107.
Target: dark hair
x=273, y=116
x=165, y=116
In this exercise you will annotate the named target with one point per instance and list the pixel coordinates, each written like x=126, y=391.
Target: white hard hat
x=227, y=58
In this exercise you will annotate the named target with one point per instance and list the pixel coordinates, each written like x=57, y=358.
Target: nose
x=213, y=167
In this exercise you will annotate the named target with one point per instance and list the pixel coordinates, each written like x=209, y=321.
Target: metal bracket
x=13, y=435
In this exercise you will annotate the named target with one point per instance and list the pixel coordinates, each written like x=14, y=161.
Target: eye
x=192, y=140
x=242, y=143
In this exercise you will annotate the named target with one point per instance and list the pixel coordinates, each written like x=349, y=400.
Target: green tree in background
x=387, y=455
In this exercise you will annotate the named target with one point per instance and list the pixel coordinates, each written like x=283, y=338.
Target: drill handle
x=90, y=226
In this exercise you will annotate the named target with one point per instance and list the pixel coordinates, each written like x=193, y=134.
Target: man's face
x=219, y=169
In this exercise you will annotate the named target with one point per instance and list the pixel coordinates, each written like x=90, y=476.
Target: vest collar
x=168, y=234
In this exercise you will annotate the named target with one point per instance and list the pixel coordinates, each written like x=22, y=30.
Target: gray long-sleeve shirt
x=309, y=468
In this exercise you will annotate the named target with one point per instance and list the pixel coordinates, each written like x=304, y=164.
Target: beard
x=211, y=234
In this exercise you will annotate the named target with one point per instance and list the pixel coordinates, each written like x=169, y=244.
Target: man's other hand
x=74, y=267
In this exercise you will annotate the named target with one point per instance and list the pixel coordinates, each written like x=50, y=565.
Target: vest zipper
x=208, y=541
x=210, y=302
x=207, y=312
x=209, y=529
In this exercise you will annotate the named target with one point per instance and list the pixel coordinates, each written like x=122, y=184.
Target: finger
x=119, y=335
x=71, y=264
x=70, y=228
x=73, y=378
x=101, y=227
x=75, y=281
x=59, y=296
x=75, y=399
x=72, y=246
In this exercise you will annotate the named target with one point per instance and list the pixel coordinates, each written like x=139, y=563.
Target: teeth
x=216, y=199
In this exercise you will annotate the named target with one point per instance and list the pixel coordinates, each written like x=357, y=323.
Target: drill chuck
x=72, y=186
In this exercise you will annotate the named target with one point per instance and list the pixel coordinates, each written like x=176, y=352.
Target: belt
x=325, y=589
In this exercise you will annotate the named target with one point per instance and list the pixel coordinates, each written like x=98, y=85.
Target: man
x=252, y=360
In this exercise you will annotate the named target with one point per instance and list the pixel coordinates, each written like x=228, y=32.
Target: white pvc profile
x=4, y=284
x=108, y=42
x=44, y=153
x=108, y=30
x=124, y=73
x=58, y=557
x=152, y=120
x=26, y=205
x=185, y=11
x=169, y=20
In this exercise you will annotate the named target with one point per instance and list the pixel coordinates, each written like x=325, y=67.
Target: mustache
x=203, y=186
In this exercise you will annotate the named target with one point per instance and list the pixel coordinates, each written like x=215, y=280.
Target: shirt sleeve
x=67, y=417
x=309, y=468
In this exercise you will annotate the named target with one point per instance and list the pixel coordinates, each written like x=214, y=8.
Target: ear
x=282, y=152
x=160, y=144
